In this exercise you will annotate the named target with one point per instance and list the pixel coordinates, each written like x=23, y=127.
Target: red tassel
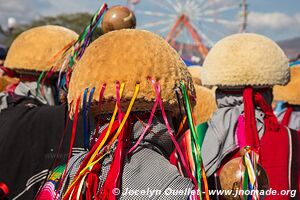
x=251, y=134
x=113, y=179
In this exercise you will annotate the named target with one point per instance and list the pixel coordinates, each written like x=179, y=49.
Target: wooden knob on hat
x=118, y=17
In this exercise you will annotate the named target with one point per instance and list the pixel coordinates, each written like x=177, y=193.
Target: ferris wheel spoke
x=179, y=5
x=158, y=23
x=165, y=29
x=217, y=33
x=203, y=35
x=220, y=21
x=201, y=3
x=156, y=14
x=175, y=7
x=214, y=19
x=206, y=4
x=219, y=10
x=163, y=5
x=192, y=4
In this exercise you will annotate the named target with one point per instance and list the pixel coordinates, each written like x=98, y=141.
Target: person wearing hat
x=31, y=129
x=244, y=145
x=290, y=115
x=126, y=80
x=33, y=52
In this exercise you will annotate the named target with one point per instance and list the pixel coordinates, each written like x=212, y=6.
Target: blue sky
x=278, y=19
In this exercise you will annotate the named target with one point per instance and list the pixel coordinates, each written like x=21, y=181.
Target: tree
x=76, y=22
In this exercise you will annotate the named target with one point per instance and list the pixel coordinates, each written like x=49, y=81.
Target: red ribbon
x=72, y=140
x=118, y=101
x=10, y=73
x=177, y=147
x=113, y=179
x=251, y=134
x=99, y=106
x=250, y=98
x=3, y=190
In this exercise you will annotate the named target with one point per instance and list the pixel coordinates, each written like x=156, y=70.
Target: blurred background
x=191, y=26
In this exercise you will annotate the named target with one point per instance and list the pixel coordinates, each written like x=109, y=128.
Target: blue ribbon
x=84, y=110
x=294, y=63
x=88, y=108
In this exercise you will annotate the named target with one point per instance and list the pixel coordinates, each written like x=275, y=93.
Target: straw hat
x=245, y=59
x=195, y=72
x=289, y=93
x=205, y=98
x=130, y=56
x=33, y=49
x=118, y=17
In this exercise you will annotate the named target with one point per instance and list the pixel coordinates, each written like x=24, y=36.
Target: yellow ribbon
x=91, y=162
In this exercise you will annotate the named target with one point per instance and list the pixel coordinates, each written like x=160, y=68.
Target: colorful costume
x=35, y=51
x=31, y=130
x=244, y=67
x=135, y=71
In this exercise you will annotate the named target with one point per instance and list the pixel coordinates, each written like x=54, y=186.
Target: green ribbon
x=38, y=83
x=194, y=139
x=201, y=131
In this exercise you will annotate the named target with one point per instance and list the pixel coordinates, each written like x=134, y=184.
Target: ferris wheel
x=192, y=26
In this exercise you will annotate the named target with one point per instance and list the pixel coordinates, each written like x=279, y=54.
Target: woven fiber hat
x=130, y=57
x=205, y=98
x=33, y=49
x=245, y=59
x=195, y=72
x=289, y=93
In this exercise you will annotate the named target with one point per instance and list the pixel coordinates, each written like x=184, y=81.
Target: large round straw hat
x=289, y=93
x=245, y=59
x=205, y=98
x=130, y=56
x=33, y=49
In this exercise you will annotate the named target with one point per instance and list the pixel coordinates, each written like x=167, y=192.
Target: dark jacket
x=30, y=133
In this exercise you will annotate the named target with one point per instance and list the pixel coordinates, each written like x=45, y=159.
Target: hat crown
x=130, y=56
x=33, y=49
x=245, y=59
x=290, y=92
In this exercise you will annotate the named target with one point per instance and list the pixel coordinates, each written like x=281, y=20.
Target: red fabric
x=10, y=89
x=287, y=115
x=113, y=179
x=88, y=156
x=273, y=146
x=274, y=150
x=8, y=72
x=102, y=134
x=251, y=134
x=92, y=182
x=3, y=190
x=71, y=141
x=174, y=157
